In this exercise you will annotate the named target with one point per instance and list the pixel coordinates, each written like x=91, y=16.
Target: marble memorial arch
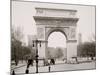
x=49, y=20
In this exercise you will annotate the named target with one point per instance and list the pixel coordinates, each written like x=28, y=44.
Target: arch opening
x=57, y=45
x=57, y=39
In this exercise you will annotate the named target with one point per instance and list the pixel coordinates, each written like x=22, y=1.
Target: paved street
x=57, y=67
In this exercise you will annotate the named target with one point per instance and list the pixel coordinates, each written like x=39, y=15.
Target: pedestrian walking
x=30, y=62
x=52, y=61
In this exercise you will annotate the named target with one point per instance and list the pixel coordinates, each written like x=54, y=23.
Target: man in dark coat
x=52, y=61
x=30, y=62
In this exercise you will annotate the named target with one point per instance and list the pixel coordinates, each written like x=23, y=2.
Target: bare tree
x=16, y=47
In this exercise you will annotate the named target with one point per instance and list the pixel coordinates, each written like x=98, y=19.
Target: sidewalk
x=57, y=67
x=20, y=64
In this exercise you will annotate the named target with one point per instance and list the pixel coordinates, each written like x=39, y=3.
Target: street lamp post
x=35, y=43
x=37, y=55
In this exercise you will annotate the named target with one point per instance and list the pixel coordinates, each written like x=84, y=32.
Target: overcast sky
x=22, y=15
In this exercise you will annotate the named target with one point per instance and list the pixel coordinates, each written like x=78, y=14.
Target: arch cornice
x=55, y=18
